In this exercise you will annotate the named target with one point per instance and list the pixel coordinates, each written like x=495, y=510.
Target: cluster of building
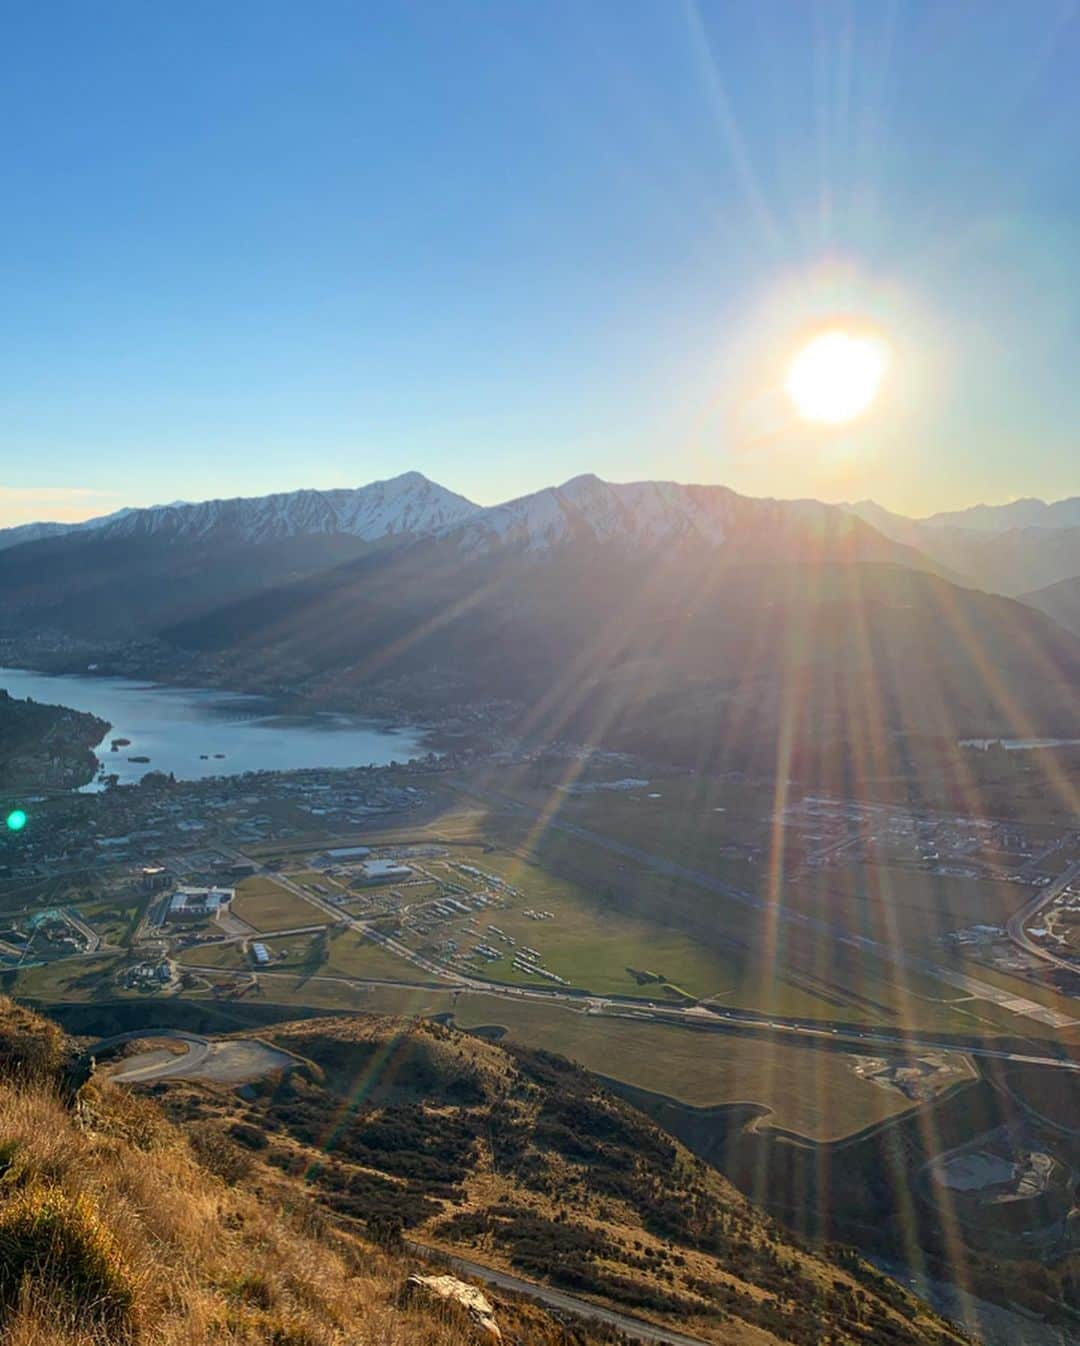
x=54, y=933
x=527, y=961
x=357, y=864
x=150, y=975
x=837, y=832
x=137, y=823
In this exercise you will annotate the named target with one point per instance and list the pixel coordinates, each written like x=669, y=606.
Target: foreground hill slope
x=519, y=1160
x=117, y=1226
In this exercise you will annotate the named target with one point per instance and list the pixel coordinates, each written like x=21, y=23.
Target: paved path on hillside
x=198, y=1049
x=228, y=1060
x=638, y=1328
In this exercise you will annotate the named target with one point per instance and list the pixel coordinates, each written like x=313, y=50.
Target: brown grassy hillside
x=519, y=1160
x=117, y=1228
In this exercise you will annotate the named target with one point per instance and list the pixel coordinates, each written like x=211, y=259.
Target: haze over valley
x=562, y=828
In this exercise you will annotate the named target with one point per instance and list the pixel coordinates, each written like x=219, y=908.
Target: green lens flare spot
x=16, y=820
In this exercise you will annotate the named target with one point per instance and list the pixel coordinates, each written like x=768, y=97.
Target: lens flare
x=16, y=820
x=836, y=376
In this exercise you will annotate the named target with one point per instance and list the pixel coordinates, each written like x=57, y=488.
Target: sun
x=836, y=376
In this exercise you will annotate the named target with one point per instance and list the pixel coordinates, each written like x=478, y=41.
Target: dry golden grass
x=112, y=1233
x=117, y=1228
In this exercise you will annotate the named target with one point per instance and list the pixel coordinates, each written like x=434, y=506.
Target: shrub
x=216, y=1152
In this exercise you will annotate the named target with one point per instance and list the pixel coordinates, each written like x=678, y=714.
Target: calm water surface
x=181, y=729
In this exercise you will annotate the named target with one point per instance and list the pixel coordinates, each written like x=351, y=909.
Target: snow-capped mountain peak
x=644, y=514
x=409, y=504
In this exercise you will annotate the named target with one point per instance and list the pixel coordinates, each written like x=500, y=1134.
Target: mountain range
x=1014, y=548
x=666, y=617
x=1010, y=549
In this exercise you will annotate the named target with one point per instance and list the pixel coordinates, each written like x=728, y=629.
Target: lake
x=182, y=729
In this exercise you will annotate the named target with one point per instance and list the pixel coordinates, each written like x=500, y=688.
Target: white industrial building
x=384, y=871
x=343, y=854
x=196, y=904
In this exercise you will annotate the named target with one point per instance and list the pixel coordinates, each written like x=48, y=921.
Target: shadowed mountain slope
x=1060, y=601
x=123, y=577
x=673, y=649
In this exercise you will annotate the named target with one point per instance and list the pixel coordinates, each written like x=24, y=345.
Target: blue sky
x=255, y=246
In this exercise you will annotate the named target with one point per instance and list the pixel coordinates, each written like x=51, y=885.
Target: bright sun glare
x=836, y=376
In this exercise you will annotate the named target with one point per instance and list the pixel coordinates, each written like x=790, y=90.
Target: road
x=638, y=1328
x=715, y=1019
x=1016, y=929
x=701, y=1019
x=839, y=934
x=198, y=1049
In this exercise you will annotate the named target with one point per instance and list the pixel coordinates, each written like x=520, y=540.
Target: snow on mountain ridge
x=33, y=532
x=1025, y=513
x=407, y=504
x=645, y=513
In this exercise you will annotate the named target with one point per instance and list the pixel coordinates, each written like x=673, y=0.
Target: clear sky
x=255, y=246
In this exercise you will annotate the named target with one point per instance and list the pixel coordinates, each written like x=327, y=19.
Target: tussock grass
x=62, y=1246
x=114, y=1233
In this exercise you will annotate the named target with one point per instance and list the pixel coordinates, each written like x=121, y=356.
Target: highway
x=1016, y=929
x=839, y=934
x=698, y=1018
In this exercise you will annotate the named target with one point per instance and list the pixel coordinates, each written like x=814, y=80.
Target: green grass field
x=68, y=979
x=337, y=953
x=779, y=968
x=229, y=955
x=265, y=905
x=588, y=942
x=813, y=1092
x=350, y=955
x=314, y=880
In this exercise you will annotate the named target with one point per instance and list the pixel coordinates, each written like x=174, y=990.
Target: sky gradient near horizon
x=257, y=246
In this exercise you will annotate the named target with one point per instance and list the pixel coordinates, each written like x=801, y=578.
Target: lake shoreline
x=201, y=732
x=160, y=665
